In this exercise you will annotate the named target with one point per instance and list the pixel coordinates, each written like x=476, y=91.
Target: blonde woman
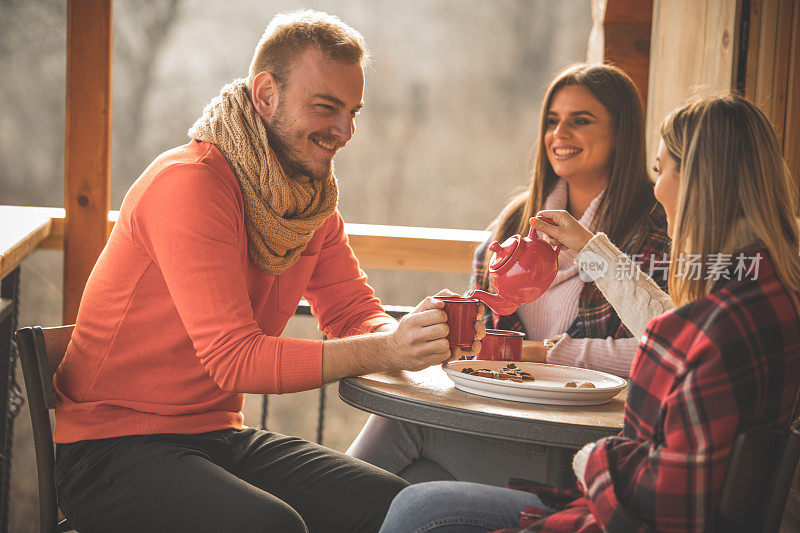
x=726, y=358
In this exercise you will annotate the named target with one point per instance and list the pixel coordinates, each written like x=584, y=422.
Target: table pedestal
x=558, y=467
x=429, y=398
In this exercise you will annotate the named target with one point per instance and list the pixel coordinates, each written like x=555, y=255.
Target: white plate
x=548, y=387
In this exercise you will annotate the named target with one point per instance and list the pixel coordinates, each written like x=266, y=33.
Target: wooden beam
x=768, y=58
x=88, y=144
x=791, y=131
x=694, y=50
x=375, y=246
x=772, y=78
x=627, y=29
x=411, y=248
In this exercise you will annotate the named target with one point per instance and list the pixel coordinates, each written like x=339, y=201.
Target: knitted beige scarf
x=281, y=212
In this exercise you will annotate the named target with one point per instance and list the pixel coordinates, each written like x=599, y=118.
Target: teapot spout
x=495, y=302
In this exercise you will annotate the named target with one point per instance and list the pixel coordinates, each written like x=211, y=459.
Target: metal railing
x=376, y=246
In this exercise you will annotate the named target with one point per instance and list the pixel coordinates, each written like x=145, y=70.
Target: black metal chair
x=40, y=352
x=762, y=465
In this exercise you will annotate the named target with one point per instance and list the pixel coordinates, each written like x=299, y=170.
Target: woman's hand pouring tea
x=562, y=228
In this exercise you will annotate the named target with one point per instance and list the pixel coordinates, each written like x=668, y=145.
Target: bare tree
x=32, y=60
x=141, y=30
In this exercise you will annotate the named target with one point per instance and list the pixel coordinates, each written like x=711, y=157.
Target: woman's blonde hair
x=735, y=190
x=625, y=209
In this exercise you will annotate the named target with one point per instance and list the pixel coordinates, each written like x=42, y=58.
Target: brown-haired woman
x=590, y=160
x=727, y=359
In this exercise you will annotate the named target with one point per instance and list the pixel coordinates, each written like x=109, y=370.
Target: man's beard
x=290, y=159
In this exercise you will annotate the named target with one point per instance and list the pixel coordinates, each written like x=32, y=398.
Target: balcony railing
x=25, y=229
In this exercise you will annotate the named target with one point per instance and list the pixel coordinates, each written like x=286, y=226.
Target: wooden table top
x=21, y=231
x=429, y=397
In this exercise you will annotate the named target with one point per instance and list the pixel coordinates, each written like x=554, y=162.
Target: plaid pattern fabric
x=704, y=372
x=596, y=317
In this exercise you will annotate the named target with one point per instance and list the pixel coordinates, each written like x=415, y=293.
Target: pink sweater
x=176, y=321
x=554, y=311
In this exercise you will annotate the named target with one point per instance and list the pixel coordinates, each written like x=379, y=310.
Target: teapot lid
x=503, y=252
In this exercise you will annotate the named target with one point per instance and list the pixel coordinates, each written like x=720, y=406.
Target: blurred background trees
x=452, y=105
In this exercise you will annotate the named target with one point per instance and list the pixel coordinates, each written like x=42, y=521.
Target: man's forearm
x=386, y=328
x=417, y=341
x=355, y=356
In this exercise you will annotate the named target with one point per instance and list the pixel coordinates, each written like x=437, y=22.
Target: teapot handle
x=535, y=233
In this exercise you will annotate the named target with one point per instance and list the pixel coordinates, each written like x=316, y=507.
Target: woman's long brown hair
x=625, y=208
x=735, y=190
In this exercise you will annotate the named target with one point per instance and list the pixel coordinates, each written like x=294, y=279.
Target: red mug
x=461, y=316
x=501, y=345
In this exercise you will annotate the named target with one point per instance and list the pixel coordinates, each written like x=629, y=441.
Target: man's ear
x=265, y=94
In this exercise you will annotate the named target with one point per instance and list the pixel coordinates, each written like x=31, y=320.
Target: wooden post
x=772, y=76
x=694, y=50
x=621, y=36
x=791, y=129
x=88, y=144
x=708, y=46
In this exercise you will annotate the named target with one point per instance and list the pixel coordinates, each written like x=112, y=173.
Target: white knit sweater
x=635, y=297
x=557, y=308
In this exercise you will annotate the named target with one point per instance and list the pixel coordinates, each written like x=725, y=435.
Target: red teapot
x=522, y=268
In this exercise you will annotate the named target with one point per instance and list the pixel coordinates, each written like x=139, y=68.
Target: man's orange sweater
x=176, y=321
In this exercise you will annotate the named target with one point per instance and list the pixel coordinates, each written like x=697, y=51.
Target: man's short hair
x=290, y=34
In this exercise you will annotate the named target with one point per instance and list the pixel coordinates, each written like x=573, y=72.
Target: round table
x=429, y=398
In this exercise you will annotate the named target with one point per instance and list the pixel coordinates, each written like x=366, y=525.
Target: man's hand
x=419, y=340
x=564, y=229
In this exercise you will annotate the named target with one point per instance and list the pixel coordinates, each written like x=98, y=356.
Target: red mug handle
x=552, y=223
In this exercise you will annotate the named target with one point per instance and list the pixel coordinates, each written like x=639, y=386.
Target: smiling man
x=216, y=243
x=309, y=120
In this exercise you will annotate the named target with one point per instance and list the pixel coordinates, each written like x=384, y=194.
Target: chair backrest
x=40, y=352
x=762, y=464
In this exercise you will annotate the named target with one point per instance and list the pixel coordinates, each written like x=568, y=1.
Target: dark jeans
x=228, y=480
